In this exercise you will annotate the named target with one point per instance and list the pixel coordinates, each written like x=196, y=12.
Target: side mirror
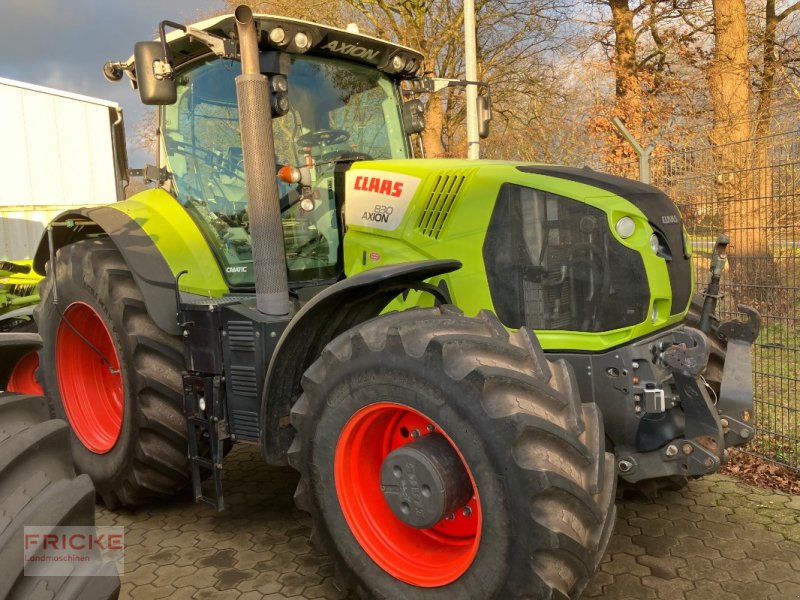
x=484, y=115
x=413, y=116
x=154, y=74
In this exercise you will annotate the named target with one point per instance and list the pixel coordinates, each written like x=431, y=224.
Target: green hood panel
x=448, y=217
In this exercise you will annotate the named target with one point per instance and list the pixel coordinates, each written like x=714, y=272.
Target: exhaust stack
x=263, y=204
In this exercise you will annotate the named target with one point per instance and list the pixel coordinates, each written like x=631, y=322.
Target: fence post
x=642, y=153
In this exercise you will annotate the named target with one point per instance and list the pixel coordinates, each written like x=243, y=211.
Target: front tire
x=114, y=375
x=540, y=507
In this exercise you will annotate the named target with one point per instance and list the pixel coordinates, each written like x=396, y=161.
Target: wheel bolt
x=467, y=512
x=415, y=433
x=430, y=428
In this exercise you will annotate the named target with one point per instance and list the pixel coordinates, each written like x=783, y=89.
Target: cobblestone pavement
x=717, y=539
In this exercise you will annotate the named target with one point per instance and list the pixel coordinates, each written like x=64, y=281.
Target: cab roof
x=326, y=41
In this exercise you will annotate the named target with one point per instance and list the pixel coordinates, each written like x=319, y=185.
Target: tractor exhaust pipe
x=263, y=204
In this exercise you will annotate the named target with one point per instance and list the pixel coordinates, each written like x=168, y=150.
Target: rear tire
x=23, y=375
x=543, y=486
x=38, y=486
x=125, y=409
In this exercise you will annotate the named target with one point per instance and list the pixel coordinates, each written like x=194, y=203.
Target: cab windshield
x=338, y=111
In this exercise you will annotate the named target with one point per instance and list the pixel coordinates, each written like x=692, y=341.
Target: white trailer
x=57, y=150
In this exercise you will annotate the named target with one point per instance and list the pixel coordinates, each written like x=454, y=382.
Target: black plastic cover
x=553, y=263
x=660, y=211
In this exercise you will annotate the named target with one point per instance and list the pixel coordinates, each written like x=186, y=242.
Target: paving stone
x=753, y=590
x=701, y=569
x=709, y=590
x=624, y=563
x=627, y=586
x=148, y=591
x=662, y=567
x=668, y=589
x=727, y=549
x=788, y=589
x=743, y=570
x=143, y=575
x=777, y=572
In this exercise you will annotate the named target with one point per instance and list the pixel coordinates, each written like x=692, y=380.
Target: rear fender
x=335, y=310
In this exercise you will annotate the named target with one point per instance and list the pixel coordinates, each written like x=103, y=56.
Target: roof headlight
x=277, y=36
x=398, y=62
x=301, y=41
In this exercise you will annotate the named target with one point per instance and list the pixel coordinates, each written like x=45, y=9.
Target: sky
x=64, y=43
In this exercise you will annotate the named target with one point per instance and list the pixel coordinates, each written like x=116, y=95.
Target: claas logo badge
x=386, y=187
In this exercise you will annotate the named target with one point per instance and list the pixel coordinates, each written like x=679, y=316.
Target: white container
x=57, y=151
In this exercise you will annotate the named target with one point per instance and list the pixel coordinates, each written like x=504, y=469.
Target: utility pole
x=471, y=58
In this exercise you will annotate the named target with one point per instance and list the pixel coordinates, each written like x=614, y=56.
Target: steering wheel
x=323, y=137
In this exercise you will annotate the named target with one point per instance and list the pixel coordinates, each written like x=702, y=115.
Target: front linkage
x=662, y=416
x=711, y=424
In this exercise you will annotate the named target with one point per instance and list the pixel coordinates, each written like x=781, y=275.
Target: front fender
x=148, y=267
x=157, y=238
x=333, y=311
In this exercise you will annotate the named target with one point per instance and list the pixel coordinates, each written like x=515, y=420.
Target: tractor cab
x=335, y=99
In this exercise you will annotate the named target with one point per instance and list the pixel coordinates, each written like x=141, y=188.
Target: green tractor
x=459, y=357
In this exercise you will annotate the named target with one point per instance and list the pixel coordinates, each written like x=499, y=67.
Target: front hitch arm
x=736, y=392
x=704, y=429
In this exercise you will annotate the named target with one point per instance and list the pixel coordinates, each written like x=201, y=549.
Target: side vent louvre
x=245, y=423
x=444, y=194
x=241, y=337
x=243, y=381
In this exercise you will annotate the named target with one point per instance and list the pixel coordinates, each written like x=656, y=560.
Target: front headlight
x=655, y=244
x=625, y=227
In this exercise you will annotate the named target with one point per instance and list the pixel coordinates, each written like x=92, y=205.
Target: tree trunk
x=434, y=121
x=628, y=92
x=740, y=187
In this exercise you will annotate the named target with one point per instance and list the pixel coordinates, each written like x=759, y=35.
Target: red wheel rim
x=422, y=557
x=90, y=389
x=23, y=379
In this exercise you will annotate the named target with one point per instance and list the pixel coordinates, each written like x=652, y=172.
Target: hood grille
x=446, y=191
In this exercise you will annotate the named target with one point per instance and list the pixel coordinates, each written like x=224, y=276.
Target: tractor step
x=206, y=420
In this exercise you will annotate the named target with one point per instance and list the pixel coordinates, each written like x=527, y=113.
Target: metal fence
x=750, y=192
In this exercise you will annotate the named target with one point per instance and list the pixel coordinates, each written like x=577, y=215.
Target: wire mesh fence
x=749, y=191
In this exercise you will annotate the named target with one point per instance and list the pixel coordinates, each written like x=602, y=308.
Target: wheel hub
x=425, y=481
